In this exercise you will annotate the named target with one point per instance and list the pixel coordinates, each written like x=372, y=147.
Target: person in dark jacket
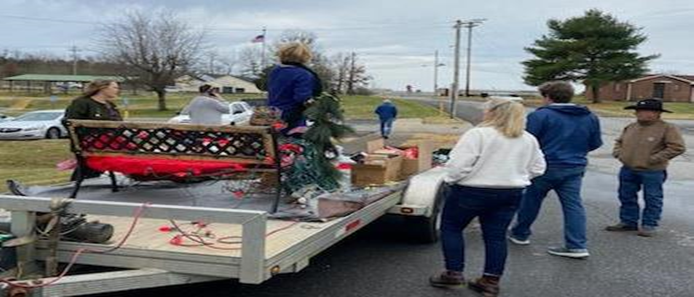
x=566, y=132
x=291, y=85
x=387, y=113
x=95, y=104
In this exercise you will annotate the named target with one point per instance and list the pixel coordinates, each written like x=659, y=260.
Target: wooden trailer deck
x=256, y=259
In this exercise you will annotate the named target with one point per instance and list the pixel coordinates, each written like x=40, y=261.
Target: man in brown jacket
x=644, y=148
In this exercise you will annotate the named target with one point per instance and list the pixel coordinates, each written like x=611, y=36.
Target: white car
x=35, y=125
x=240, y=114
x=4, y=118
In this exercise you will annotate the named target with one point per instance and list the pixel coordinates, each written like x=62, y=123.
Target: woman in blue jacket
x=291, y=85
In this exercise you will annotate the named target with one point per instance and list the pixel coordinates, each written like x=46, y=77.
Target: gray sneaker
x=647, y=231
x=568, y=253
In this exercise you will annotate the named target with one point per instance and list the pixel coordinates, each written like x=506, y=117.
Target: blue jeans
x=495, y=209
x=630, y=182
x=386, y=127
x=566, y=182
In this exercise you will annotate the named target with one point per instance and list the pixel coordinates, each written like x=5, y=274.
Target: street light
x=436, y=78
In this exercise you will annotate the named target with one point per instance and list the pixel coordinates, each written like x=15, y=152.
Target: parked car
x=4, y=118
x=240, y=114
x=172, y=89
x=35, y=125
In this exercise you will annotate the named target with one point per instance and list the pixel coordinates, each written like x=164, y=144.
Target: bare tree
x=156, y=47
x=251, y=59
x=306, y=37
x=340, y=63
x=227, y=63
x=320, y=63
x=356, y=74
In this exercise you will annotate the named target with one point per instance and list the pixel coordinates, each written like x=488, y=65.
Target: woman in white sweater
x=488, y=169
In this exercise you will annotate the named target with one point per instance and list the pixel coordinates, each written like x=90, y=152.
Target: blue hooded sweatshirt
x=386, y=111
x=566, y=133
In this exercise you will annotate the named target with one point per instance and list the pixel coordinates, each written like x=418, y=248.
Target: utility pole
x=469, y=25
x=263, y=62
x=456, y=68
x=436, y=72
x=436, y=80
x=74, y=51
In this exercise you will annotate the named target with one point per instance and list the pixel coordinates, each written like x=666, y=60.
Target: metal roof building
x=45, y=80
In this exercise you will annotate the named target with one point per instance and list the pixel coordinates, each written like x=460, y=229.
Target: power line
x=47, y=19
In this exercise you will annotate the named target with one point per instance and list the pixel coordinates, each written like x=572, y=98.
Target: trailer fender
x=423, y=191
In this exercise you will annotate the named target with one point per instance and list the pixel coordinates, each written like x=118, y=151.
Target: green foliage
x=327, y=115
x=594, y=48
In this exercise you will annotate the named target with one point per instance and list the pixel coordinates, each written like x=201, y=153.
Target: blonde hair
x=294, y=52
x=507, y=116
x=97, y=85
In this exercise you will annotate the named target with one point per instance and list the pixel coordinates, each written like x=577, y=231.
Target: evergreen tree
x=594, y=49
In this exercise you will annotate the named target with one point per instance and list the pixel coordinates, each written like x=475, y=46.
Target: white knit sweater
x=485, y=158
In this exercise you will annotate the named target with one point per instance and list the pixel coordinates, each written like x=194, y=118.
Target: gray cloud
x=394, y=38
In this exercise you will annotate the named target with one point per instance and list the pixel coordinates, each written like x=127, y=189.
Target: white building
x=230, y=84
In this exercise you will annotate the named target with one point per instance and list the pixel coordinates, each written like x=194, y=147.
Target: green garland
x=327, y=116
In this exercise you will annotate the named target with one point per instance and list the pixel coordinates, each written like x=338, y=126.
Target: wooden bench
x=227, y=149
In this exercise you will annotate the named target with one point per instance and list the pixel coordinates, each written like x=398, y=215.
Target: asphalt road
x=379, y=261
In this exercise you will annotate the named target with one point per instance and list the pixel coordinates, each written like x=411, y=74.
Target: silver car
x=35, y=125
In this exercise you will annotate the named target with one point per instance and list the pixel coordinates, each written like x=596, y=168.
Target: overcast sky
x=395, y=39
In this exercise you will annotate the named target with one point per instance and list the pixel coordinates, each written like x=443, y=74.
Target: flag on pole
x=259, y=38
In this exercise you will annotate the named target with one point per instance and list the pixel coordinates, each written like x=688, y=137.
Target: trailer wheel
x=427, y=229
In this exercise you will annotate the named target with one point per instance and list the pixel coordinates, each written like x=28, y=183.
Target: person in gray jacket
x=208, y=107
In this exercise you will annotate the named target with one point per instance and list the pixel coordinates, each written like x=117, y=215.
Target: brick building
x=670, y=88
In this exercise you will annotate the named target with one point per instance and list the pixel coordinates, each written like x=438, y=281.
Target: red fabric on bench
x=161, y=167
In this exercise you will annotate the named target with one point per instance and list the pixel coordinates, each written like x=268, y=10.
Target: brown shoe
x=487, y=285
x=447, y=279
x=621, y=227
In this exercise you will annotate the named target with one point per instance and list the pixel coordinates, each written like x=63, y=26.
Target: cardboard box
x=376, y=170
x=409, y=167
x=423, y=161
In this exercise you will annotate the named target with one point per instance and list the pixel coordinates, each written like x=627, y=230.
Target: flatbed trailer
x=266, y=247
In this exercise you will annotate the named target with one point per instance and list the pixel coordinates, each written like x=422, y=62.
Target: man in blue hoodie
x=387, y=112
x=566, y=132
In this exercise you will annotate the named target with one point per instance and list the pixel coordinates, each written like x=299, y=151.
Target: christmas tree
x=327, y=117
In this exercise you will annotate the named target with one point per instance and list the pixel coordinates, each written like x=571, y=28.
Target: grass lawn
x=362, y=107
x=33, y=162
x=145, y=105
